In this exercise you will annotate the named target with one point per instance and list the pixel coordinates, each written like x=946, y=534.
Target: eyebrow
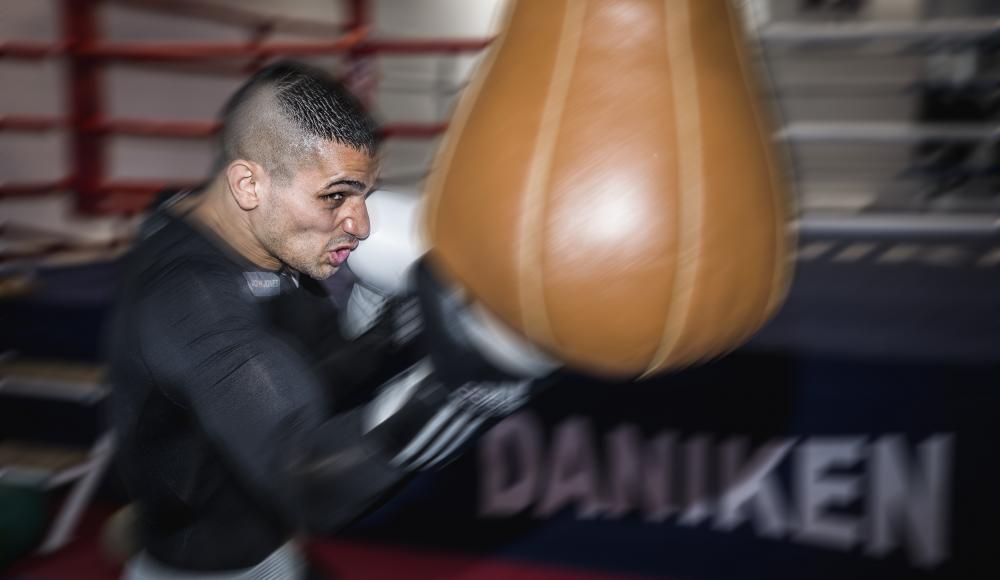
x=359, y=185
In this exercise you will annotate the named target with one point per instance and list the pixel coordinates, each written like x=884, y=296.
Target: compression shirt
x=235, y=402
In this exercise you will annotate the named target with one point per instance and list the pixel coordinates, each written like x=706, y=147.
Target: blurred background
x=859, y=423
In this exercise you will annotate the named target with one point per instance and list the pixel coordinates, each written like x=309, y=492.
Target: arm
x=474, y=374
x=355, y=365
x=257, y=400
x=474, y=370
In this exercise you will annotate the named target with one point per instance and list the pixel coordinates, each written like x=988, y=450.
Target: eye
x=336, y=197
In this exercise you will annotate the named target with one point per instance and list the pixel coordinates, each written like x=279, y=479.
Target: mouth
x=339, y=254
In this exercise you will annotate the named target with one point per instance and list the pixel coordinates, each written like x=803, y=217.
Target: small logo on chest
x=263, y=283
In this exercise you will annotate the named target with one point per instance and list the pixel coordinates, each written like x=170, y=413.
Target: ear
x=247, y=181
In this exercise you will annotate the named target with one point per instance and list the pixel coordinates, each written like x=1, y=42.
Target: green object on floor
x=23, y=518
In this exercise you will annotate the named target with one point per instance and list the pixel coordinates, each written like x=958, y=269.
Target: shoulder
x=171, y=265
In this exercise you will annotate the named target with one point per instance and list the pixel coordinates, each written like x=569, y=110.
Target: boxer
x=245, y=417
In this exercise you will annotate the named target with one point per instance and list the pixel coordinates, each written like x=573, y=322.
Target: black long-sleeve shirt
x=235, y=403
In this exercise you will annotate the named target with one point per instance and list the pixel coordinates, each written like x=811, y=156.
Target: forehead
x=332, y=159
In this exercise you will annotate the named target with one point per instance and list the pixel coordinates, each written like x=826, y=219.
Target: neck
x=219, y=213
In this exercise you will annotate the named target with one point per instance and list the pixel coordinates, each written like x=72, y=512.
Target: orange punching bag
x=608, y=186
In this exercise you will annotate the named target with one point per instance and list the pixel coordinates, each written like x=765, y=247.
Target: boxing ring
x=84, y=53
x=852, y=437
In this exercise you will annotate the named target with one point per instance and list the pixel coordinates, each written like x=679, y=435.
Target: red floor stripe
x=354, y=561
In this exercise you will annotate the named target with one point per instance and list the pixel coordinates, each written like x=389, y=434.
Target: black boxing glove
x=378, y=339
x=474, y=373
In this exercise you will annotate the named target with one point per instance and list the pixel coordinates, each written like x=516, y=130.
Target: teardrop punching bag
x=608, y=186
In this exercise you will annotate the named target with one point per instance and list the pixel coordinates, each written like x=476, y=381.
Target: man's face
x=313, y=220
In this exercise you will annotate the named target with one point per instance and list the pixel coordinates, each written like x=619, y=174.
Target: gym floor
x=82, y=559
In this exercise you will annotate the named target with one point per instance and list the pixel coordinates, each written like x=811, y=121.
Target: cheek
x=306, y=228
x=302, y=220
x=314, y=234
x=327, y=221
x=287, y=229
x=313, y=219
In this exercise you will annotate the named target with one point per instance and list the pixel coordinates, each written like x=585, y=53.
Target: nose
x=356, y=221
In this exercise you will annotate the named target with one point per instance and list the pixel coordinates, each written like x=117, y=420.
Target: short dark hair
x=281, y=113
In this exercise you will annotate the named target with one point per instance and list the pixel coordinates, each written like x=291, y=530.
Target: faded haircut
x=284, y=112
